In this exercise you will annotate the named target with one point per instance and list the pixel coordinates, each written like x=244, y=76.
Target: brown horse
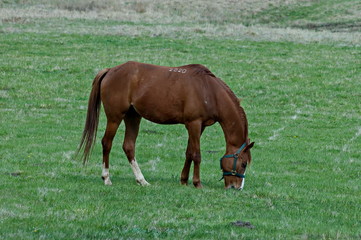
x=190, y=95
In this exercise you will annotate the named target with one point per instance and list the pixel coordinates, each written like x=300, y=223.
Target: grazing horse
x=190, y=95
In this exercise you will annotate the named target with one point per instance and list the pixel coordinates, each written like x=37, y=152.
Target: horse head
x=234, y=166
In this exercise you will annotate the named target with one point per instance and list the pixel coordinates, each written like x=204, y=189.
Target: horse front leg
x=193, y=153
x=132, y=121
x=187, y=166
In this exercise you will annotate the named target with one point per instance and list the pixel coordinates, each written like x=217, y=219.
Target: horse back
x=162, y=94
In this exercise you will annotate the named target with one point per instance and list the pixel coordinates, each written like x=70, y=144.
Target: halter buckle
x=233, y=172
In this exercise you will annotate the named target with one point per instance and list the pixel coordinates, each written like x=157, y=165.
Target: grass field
x=296, y=65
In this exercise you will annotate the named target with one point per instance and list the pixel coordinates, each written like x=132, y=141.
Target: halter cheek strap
x=235, y=158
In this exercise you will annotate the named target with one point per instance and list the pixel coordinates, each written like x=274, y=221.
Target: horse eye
x=244, y=165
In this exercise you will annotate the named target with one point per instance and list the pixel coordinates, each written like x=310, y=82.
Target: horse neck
x=235, y=127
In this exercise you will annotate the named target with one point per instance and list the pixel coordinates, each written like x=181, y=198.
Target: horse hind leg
x=107, y=142
x=132, y=120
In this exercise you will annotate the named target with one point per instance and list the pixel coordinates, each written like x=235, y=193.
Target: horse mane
x=235, y=100
x=199, y=69
x=231, y=94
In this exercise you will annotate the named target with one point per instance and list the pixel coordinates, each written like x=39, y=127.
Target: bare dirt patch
x=333, y=27
x=243, y=224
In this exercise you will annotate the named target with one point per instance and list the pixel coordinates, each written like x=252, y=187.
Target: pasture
x=296, y=65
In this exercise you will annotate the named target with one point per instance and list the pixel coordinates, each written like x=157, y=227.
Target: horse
x=191, y=95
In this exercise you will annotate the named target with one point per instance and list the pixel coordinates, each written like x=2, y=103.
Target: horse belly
x=160, y=108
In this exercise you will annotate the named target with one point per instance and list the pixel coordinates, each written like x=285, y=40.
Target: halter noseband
x=235, y=157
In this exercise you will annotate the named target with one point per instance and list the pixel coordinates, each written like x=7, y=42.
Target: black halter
x=235, y=157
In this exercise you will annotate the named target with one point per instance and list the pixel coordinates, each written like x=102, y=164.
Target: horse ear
x=249, y=146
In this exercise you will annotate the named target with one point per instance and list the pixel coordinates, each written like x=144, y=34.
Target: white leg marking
x=138, y=174
x=106, y=176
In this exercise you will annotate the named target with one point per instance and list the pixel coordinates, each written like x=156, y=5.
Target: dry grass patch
x=153, y=11
x=275, y=20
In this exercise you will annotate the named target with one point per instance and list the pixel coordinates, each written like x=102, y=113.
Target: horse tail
x=92, y=118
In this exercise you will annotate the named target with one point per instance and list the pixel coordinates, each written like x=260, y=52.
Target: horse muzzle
x=234, y=182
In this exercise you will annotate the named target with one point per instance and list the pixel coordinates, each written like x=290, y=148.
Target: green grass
x=302, y=103
x=334, y=15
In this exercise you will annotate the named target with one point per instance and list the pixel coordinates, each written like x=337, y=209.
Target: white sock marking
x=138, y=173
x=106, y=176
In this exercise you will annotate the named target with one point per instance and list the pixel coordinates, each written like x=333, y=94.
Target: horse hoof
x=198, y=185
x=184, y=182
x=107, y=182
x=143, y=182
